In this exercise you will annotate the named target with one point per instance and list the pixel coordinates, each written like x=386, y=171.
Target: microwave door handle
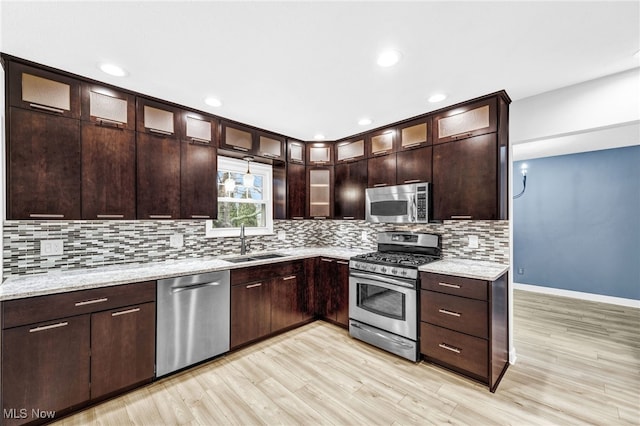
x=414, y=213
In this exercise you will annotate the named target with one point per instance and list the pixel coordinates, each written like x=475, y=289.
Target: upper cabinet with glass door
x=158, y=119
x=381, y=142
x=350, y=150
x=107, y=107
x=270, y=146
x=320, y=153
x=236, y=137
x=296, y=151
x=461, y=122
x=199, y=128
x=414, y=134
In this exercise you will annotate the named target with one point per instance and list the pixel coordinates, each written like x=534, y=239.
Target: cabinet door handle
x=240, y=148
x=254, y=285
x=48, y=327
x=92, y=301
x=376, y=185
x=381, y=152
x=159, y=216
x=292, y=277
x=445, y=311
x=109, y=123
x=200, y=141
x=461, y=217
x=411, y=145
x=462, y=135
x=297, y=217
x=200, y=216
x=449, y=285
x=160, y=132
x=319, y=217
x=128, y=311
x=348, y=217
x=450, y=348
x=326, y=260
x=47, y=108
x=46, y=215
x=412, y=181
x=342, y=262
x=109, y=216
x=269, y=155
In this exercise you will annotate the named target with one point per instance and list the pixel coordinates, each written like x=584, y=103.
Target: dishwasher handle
x=194, y=287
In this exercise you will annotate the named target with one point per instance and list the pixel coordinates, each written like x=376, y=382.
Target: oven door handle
x=382, y=279
x=382, y=336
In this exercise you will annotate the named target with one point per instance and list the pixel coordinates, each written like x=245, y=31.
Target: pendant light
x=229, y=184
x=248, y=178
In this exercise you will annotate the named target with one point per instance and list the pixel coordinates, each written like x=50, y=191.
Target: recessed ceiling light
x=214, y=102
x=113, y=70
x=388, y=58
x=364, y=121
x=319, y=137
x=437, y=97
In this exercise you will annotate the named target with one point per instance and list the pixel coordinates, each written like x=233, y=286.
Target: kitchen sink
x=252, y=258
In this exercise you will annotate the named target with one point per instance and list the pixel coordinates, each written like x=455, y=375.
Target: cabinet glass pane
x=319, y=192
x=239, y=138
x=158, y=119
x=198, y=129
x=296, y=152
x=383, y=142
x=270, y=147
x=319, y=154
x=107, y=107
x=468, y=121
x=43, y=91
x=414, y=135
x=351, y=150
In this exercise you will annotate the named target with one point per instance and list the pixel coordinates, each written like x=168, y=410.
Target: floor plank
x=578, y=363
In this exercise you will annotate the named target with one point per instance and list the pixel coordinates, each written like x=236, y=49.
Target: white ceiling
x=301, y=68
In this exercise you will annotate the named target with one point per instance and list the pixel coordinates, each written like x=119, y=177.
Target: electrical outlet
x=364, y=236
x=282, y=235
x=473, y=241
x=51, y=247
x=176, y=241
x=520, y=271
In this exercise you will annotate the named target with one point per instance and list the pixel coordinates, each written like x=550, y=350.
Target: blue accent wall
x=577, y=226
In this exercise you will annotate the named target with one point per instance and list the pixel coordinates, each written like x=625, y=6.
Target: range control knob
x=383, y=270
x=394, y=271
x=404, y=272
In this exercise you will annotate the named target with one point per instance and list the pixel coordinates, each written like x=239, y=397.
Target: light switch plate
x=51, y=247
x=176, y=241
x=363, y=236
x=473, y=241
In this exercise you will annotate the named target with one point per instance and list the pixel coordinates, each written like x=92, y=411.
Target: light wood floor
x=578, y=363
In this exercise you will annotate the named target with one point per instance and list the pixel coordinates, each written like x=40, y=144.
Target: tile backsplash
x=90, y=244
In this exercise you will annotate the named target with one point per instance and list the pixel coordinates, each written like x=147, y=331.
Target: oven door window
x=382, y=301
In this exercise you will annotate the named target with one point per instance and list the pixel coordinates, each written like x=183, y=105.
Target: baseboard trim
x=512, y=356
x=631, y=303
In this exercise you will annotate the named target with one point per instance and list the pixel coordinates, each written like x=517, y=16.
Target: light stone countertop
x=481, y=270
x=82, y=279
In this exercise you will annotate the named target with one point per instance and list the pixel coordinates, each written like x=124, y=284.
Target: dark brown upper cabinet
x=350, y=185
x=279, y=172
x=158, y=119
x=351, y=150
x=381, y=171
x=270, y=146
x=35, y=89
x=381, y=142
x=296, y=152
x=413, y=166
x=414, y=134
x=296, y=191
x=237, y=137
x=108, y=107
x=460, y=122
x=320, y=153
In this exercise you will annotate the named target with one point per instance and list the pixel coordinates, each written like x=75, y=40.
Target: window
x=239, y=203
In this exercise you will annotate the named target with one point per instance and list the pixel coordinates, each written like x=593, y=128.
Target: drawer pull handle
x=91, y=302
x=128, y=311
x=48, y=327
x=342, y=262
x=160, y=132
x=450, y=348
x=46, y=108
x=109, y=216
x=46, y=216
x=449, y=285
x=292, y=277
x=444, y=311
x=159, y=216
x=254, y=285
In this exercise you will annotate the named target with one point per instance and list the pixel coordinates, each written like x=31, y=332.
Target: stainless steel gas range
x=383, y=291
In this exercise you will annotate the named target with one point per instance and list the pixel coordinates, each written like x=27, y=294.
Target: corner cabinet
x=331, y=283
x=464, y=325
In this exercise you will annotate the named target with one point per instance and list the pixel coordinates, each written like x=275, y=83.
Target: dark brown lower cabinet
x=45, y=368
x=332, y=290
x=43, y=166
x=250, y=311
x=122, y=348
x=286, y=301
x=464, y=325
x=108, y=172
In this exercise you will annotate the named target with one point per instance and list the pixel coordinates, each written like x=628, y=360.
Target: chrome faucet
x=243, y=243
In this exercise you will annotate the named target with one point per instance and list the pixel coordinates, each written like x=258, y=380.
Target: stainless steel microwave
x=398, y=203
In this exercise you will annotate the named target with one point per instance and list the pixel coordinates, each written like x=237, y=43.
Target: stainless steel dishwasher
x=193, y=317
